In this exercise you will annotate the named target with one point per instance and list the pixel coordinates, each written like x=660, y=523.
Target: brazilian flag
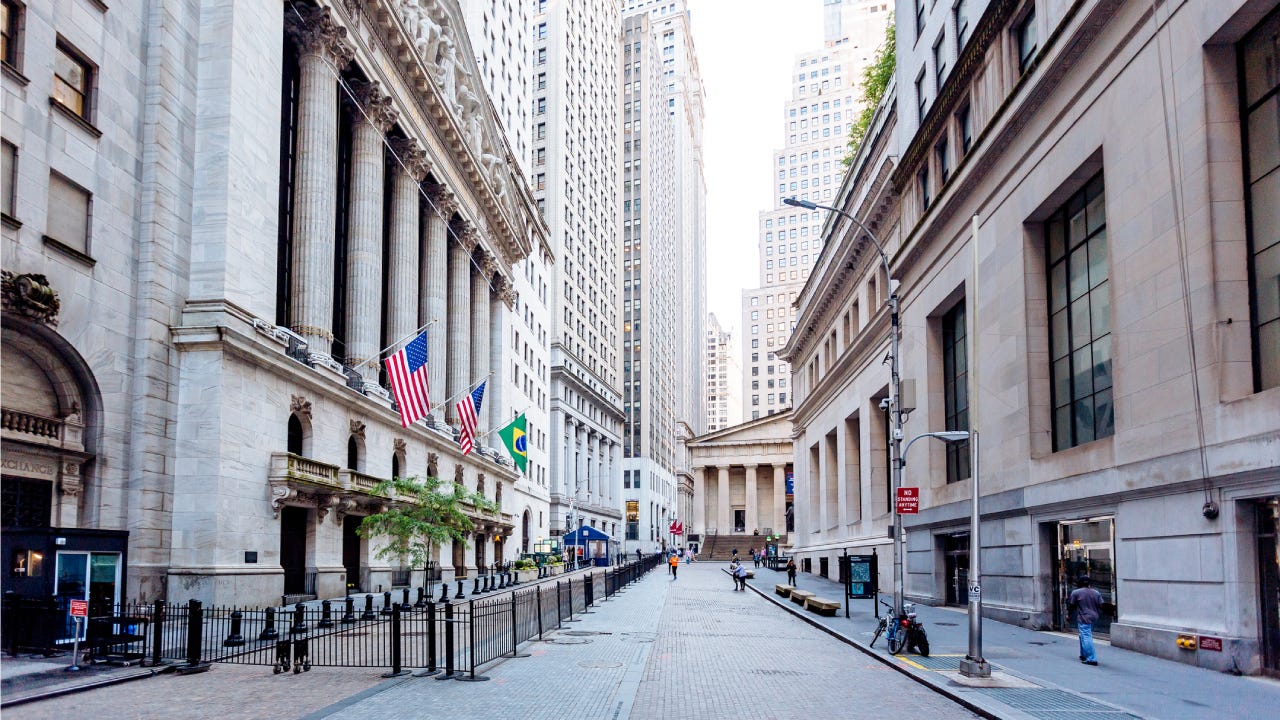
x=516, y=440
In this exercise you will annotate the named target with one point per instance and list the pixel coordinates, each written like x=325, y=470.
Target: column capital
x=750, y=466
x=486, y=262
x=369, y=104
x=316, y=33
x=444, y=200
x=468, y=235
x=412, y=158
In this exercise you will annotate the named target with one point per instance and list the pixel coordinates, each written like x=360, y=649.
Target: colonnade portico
x=758, y=490
x=590, y=460
x=453, y=284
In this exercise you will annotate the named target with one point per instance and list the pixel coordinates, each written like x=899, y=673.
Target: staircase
x=720, y=547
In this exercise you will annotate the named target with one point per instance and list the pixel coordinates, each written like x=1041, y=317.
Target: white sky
x=746, y=49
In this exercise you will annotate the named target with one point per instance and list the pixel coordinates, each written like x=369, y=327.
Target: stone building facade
x=740, y=481
x=216, y=222
x=1110, y=337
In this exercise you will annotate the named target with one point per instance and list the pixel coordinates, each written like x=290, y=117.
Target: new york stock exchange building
x=215, y=223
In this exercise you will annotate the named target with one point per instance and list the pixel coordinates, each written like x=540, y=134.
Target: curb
x=70, y=690
x=941, y=689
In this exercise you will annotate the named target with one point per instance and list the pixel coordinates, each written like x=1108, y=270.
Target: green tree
x=422, y=516
x=875, y=80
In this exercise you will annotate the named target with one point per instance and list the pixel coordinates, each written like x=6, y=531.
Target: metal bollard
x=488, y=584
x=299, y=620
x=506, y=579
x=444, y=592
x=349, y=616
x=422, y=599
x=460, y=594
x=515, y=577
x=326, y=615
x=475, y=586
x=405, y=606
x=235, y=639
x=368, y=613
x=386, y=603
x=448, y=638
x=269, y=631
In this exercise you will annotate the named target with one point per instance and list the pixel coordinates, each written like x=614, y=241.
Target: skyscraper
x=825, y=100
x=724, y=378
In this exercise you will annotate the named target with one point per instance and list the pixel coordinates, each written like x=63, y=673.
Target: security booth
x=47, y=569
x=589, y=544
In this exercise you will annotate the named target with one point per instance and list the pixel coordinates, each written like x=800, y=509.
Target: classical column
x=569, y=468
x=322, y=50
x=434, y=301
x=780, y=499
x=408, y=165
x=557, y=463
x=725, y=516
x=753, y=506
x=482, y=270
x=580, y=491
x=372, y=115
x=459, y=362
x=499, y=414
x=698, y=523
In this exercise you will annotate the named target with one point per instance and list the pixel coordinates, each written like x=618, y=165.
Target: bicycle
x=903, y=631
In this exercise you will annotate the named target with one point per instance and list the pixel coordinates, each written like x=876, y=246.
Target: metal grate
x=1050, y=703
x=936, y=662
x=1080, y=714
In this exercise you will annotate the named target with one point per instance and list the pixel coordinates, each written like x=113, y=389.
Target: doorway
x=739, y=520
x=351, y=552
x=1268, y=534
x=955, y=553
x=92, y=576
x=293, y=549
x=1086, y=547
x=481, y=561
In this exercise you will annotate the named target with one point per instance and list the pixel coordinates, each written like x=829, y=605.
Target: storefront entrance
x=1086, y=547
x=351, y=542
x=1268, y=534
x=293, y=549
x=955, y=551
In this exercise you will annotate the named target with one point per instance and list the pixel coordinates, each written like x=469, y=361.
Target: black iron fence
x=394, y=630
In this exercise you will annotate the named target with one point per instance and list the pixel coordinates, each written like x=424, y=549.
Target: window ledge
x=14, y=74
x=10, y=221
x=68, y=250
x=71, y=115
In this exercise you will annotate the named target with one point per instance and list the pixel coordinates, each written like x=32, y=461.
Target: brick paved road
x=690, y=649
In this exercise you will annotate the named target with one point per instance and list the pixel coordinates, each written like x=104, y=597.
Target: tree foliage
x=423, y=515
x=875, y=80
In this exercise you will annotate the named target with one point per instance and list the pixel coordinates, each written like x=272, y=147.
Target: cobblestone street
x=691, y=648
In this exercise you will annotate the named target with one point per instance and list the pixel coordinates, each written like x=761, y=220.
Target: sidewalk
x=1045, y=665
x=29, y=677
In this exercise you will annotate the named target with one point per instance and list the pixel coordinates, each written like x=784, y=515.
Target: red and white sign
x=1211, y=643
x=677, y=527
x=80, y=608
x=908, y=501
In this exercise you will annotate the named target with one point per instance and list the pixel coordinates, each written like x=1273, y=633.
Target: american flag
x=468, y=414
x=407, y=370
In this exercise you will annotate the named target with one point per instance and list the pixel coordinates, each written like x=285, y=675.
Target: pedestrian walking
x=791, y=571
x=756, y=557
x=733, y=572
x=735, y=553
x=1086, y=604
x=674, y=562
x=740, y=577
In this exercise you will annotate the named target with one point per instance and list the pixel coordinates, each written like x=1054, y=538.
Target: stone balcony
x=34, y=429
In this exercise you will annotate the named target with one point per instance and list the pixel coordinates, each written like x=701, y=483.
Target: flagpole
x=513, y=419
x=468, y=391
x=383, y=350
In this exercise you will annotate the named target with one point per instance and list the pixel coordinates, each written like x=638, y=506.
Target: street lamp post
x=895, y=411
x=973, y=664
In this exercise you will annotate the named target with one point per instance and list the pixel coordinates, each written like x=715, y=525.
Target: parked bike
x=903, y=632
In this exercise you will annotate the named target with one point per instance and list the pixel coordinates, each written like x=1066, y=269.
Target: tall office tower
x=503, y=46
x=825, y=100
x=575, y=181
x=664, y=251
x=724, y=378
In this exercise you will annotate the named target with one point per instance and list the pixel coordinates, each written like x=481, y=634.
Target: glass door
x=85, y=576
x=1087, y=547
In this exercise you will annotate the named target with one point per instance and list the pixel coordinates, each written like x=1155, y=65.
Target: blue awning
x=584, y=534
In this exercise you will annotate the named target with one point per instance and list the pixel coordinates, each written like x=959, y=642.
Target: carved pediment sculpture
x=496, y=171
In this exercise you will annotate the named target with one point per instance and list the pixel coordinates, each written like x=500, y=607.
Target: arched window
x=353, y=454
x=395, y=465
x=295, y=435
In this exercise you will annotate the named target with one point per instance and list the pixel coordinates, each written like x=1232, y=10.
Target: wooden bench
x=822, y=606
x=783, y=590
x=800, y=596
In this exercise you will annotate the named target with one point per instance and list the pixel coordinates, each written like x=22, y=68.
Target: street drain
x=599, y=664
x=947, y=624
x=584, y=633
x=569, y=641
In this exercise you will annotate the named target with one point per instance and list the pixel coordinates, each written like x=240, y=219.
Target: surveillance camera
x=884, y=403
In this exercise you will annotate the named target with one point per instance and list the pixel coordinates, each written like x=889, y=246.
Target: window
x=1026, y=37
x=964, y=123
x=10, y=32
x=921, y=101
x=72, y=81
x=944, y=161
x=955, y=389
x=1080, y=319
x=939, y=61
x=962, y=25
x=9, y=177
x=69, y=223
x=1258, y=56
x=923, y=178
x=919, y=17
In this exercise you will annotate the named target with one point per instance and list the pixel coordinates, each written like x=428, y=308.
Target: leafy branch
x=423, y=515
x=875, y=80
